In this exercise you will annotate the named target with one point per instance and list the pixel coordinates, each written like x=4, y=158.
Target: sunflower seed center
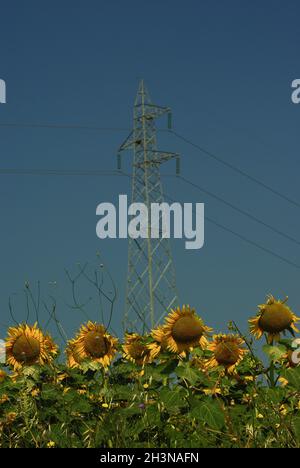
x=187, y=329
x=227, y=354
x=275, y=318
x=95, y=344
x=26, y=349
x=137, y=350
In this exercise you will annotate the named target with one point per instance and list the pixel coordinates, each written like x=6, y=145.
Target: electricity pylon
x=151, y=285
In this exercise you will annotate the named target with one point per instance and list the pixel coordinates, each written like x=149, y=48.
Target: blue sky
x=225, y=69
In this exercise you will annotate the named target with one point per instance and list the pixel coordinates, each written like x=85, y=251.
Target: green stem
x=272, y=371
x=272, y=374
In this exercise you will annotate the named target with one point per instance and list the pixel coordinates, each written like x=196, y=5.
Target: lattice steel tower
x=151, y=286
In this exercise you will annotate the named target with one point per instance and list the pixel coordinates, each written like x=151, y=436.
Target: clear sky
x=225, y=68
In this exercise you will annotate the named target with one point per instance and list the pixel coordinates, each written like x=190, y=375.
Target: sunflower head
x=92, y=342
x=182, y=331
x=136, y=350
x=227, y=352
x=158, y=345
x=27, y=345
x=273, y=318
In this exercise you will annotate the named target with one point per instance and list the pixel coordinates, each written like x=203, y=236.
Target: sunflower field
x=180, y=386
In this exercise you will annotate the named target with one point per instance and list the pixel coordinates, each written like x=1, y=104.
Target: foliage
x=171, y=402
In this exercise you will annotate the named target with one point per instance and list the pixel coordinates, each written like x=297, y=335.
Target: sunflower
x=135, y=349
x=91, y=342
x=27, y=345
x=159, y=343
x=182, y=331
x=227, y=352
x=273, y=318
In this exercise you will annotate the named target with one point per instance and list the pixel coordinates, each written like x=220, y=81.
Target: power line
x=237, y=234
x=183, y=138
x=96, y=173
x=237, y=170
x=63, y=126
x=69, y=127
x=245, y=239
x=50, y=172
x=253, y=243
x=57, y=172
x=68, y=172
x=240, y=210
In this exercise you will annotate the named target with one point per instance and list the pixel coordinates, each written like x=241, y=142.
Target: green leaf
x=168, y=368
x=293, y=377
x=124, y=368
x=274, y=395
x=31, y=371
x=121, y=392
x=70, y=395
x=172, y=399
x=81, y=405
x=189, y=374
x=210, y=413
x=90, y=366
x=58, y=434
x=50, y=393
x=274, y=352
x=152, y=416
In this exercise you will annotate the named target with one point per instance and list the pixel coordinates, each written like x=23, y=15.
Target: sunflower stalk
x=272, y=378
